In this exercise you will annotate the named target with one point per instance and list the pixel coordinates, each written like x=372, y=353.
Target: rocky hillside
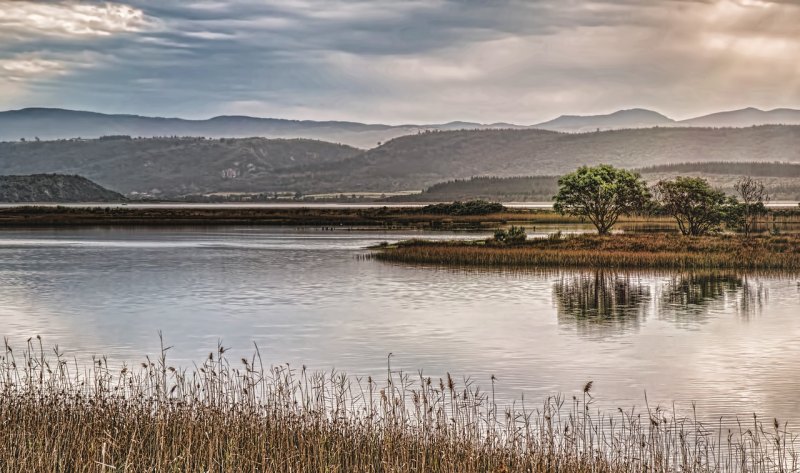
x=54, y=188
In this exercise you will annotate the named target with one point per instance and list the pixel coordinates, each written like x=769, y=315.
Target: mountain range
x=54, y=124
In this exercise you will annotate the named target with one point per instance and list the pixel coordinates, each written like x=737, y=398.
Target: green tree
x=754, y=197
x=697, y=207
x=601, y=194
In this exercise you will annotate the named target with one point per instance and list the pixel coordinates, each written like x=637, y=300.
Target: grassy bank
x=661, y=250
x=58, y=415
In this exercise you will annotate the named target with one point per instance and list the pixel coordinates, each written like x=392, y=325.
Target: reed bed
x=59, y=415
x=665, y=251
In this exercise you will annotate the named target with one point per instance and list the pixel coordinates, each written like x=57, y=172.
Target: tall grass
x=226, y=415
x=617, y=251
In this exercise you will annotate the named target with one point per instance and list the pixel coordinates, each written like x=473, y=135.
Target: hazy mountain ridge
x=747, y=117
x=54, y=188
x=634, y=118
x=53, y=124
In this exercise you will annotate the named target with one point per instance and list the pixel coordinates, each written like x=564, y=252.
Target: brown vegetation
x=620, y=251
x=226, y=416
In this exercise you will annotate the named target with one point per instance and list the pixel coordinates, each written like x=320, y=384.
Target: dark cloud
x=392, y=61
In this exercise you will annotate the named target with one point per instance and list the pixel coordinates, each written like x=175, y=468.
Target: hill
x=56, y=124
x=170, y=167
x=634, y=118
x=781, y=180
x=419, y=161
x=54, y=188
x=746, y=117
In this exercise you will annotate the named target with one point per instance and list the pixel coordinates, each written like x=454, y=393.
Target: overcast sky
x=400, y=61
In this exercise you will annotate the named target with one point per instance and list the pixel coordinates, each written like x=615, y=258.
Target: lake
x=728, y=342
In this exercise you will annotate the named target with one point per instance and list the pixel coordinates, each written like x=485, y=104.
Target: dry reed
x=58, y=415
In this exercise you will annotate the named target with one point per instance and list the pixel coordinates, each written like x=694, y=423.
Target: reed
x=59, y=415
x=667, y=251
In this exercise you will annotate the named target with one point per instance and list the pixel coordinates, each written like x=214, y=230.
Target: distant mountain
x=746, y=117
x=634, y=118
x=54, y=124
x=54, y=188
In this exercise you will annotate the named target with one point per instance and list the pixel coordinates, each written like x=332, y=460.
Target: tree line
x=602, y=194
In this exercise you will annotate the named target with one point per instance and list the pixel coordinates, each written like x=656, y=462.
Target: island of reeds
x=229, y=415
x=663, y=250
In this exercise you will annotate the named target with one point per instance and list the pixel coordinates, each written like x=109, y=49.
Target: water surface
x=727, y=341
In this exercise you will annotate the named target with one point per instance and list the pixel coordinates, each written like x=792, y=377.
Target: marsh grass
x=666, y=251
x=227, y=415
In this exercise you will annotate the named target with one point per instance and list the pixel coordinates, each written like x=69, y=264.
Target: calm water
x=729, y=342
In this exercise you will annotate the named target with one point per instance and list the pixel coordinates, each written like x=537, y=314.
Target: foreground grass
x=60, y=416
x=616, y=251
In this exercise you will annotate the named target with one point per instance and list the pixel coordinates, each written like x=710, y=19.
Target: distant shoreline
x=387, y=217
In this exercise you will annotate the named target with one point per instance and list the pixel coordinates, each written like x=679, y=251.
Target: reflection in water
x=600, y=302
x=690, y=298
x=605, y=303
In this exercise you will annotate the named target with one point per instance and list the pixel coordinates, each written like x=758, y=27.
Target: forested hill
x=170, y=167
x=54, y=188
x=419, y=161
x=175, y=166
x=781, y=180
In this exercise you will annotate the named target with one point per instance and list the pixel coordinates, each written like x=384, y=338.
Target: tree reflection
x=601, y=302
x=692, y=297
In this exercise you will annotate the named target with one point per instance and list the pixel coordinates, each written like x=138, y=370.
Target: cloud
x=411, y=61
x=21, y=67
x=22, y=19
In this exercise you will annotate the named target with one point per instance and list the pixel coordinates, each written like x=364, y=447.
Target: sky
x=400, y=61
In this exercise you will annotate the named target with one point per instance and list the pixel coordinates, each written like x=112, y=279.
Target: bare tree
x=754, y=199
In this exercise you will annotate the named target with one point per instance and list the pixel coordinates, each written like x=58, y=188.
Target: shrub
x=512, y=236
